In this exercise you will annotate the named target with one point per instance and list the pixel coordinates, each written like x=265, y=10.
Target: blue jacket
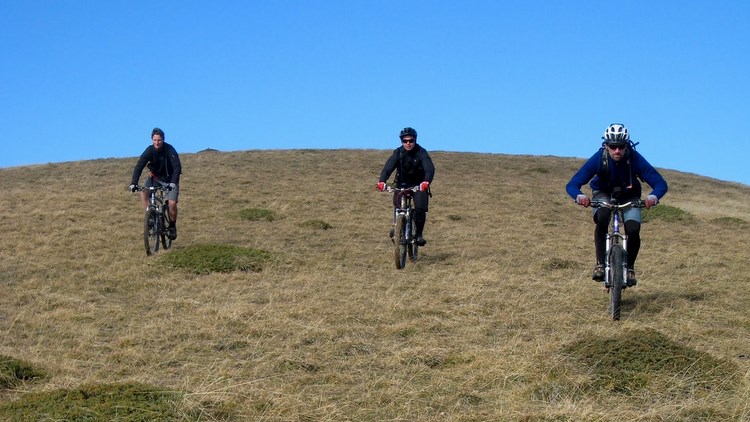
x=624, y=174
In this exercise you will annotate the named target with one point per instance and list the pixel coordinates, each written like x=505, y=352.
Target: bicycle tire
x=151, y=232
x=413, y=247
x=399, y=244
x=166, y=241
x=617, y=280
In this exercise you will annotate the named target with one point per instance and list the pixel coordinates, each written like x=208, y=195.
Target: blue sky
x=90, y=79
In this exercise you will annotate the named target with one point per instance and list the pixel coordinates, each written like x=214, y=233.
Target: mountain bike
x=404, y=229
x=616, y=254
x=156, y=224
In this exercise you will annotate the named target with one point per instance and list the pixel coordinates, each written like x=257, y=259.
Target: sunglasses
x=616, y=147
x=408, y=141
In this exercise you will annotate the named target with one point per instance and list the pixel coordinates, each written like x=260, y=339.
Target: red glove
x=651, y=200
x=381, y=186
x=583, y=200
x=424, y=186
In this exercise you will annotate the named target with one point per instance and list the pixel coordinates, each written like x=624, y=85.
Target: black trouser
x=632, y=230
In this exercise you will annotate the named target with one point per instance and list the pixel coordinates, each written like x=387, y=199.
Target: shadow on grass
x=655, y=303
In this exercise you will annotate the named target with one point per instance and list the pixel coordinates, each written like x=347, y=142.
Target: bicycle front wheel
x=399, y=242
x=616, y=280
x=151, y=232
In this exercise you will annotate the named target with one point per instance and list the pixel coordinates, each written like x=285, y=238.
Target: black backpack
x=604, y=173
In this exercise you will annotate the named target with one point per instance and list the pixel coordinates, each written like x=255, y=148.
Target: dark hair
x=159, y=132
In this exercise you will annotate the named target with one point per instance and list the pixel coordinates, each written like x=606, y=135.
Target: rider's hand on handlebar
x=133, y=188
x=651, y=200
x=424, y=186
x=381, y=186
x=583, y=200
x=172, y=186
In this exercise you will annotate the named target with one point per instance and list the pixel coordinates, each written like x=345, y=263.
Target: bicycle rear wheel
x=399, y=242
x=616, y=280
x=151, y=232
x=166, y=242
x=413, y=247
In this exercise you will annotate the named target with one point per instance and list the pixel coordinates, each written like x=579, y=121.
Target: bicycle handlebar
x=636, y=204
x=389, y=188
x=154, y=188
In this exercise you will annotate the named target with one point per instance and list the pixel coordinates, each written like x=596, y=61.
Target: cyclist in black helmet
x=413, y=167
x=615, y=169
x=164, y=169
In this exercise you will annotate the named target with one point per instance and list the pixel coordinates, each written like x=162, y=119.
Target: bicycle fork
x=407, y=226
x=615, y=238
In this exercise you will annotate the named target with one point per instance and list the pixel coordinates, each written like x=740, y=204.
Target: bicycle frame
x=616, y=253
x=156, y=198
x=157, y=219
x=404, y=238
x=614, y=237
x=406, y=209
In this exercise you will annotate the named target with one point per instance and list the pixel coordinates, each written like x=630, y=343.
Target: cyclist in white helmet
x=615, y=169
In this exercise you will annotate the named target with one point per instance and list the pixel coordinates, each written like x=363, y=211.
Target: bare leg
x=173, y=211
x=144, y=199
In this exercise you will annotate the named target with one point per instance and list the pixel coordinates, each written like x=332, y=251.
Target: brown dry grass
x=476, y=330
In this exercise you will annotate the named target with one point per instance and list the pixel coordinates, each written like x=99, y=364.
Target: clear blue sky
x=89, y=79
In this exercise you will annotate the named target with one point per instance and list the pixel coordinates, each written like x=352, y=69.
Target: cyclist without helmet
x=413, y=167
x=165, y=168
x=616, y=169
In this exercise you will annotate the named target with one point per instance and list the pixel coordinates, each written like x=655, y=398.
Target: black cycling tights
x=632, y=230
x=420, y=218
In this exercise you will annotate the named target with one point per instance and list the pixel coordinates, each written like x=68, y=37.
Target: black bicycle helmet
x=408, y=131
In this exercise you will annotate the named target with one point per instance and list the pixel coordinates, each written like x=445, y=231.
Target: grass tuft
x=205, y=259
x=14, y=371
x=666, y=213
x=641, y=359
x=559, y=264
x=540, y=170
x=316, y=224
x=121, y=402
x=258, y=214
x=731, y=222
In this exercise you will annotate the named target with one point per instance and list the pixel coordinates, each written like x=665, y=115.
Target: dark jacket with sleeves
x=623, y=174
x=164, y=164
x=413, y=167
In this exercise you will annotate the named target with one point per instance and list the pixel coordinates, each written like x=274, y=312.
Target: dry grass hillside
x=498, y=320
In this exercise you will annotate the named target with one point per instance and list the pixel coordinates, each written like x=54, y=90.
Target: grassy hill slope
x=498, y=320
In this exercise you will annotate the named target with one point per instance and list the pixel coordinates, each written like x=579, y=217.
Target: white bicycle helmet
x=616, y=133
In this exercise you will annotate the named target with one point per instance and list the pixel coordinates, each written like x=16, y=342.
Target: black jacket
x=413, y=167
x=164, y=164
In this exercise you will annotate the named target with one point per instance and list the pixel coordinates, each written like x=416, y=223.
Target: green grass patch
x=665, y=213
x=731, y=222
x=316, y=224
x=641, y=359
x=559, y=264
x=454, y=217
x=204, y=259
x=14, y=371
x=540, y=170
x=258, y=214
x=120, y=402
